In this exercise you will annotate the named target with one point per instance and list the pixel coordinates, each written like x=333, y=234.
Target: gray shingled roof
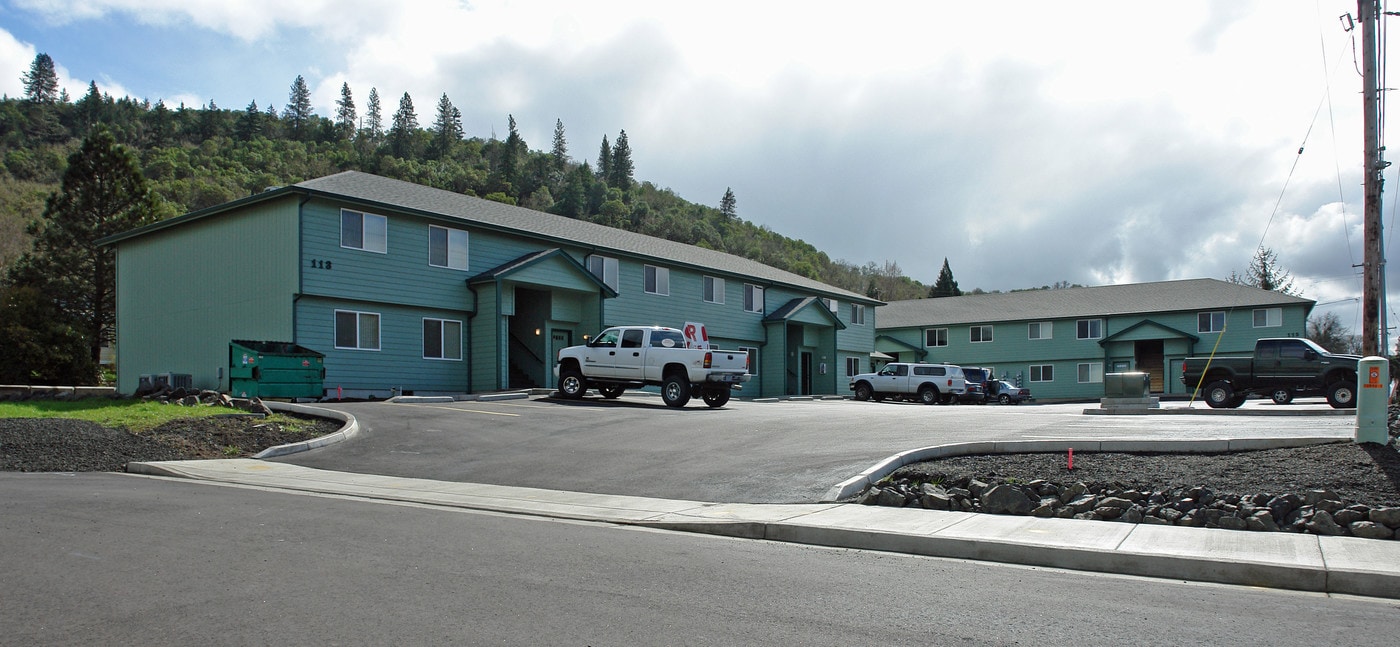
x=1102, y=301
x=407, y=195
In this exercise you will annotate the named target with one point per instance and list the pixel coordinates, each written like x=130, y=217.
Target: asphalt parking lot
x=746, y=452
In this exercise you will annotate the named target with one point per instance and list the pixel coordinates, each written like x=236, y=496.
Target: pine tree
x=604, y=160
x=511, y=153
x=249, y=124
x=559, y=151
x=404, y=130
x=211, y=121
x=620, y=175
x=102, y=193
x=945, y=286
x=1265, y=273
x=41, y=81
x=298, y=113
x=375, y=127
x=728, y=203
x=90, y=108
x=345, y=113
x=447, y=128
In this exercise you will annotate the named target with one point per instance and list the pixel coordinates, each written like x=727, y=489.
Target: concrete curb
x=346, y=431
x=854, y=485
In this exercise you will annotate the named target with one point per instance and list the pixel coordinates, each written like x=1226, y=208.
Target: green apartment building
x=1059, y=343
x=408, y=289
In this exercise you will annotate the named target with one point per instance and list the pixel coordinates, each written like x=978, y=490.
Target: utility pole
x=1373, y=267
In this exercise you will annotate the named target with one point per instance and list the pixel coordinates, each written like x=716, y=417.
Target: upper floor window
x=936, y=337
x=753, y=298
x=364, y=231
x=605, y=268
x=1090, y=328
x=1210, y=322
x=447, y=247
x=1268, y=317
x=658, y=280
x=977, y=334
x=857, y=314
x=830, y=304
x=713, y=290
x=1038, y=330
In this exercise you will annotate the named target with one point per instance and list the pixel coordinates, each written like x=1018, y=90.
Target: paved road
x=121, y=559
x=746, y=452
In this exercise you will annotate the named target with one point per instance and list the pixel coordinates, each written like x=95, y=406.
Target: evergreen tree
x=345, y=113
x=375, y=127
x=159, y=125
x=620, y=175
x=604, y=160
x=945, y=286
x=404, y=130
x=211, y=121
x=90, y=108
x=298, y=114
x=559, y=154
x=447, y=128
x=249, y=124
x=42, y=344
x=41, y=81
x=510, y=155
x=271, y=124
x=1265, y=273
x=728, y=203
x=102, y=193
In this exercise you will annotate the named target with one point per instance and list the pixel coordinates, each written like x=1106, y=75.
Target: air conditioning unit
x=175, y=380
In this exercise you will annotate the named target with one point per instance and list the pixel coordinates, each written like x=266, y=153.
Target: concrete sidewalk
x=1275, y=560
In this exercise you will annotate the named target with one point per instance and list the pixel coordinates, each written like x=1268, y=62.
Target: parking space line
x=429, y=406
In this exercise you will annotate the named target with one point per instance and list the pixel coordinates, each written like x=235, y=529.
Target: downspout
x=470, y=316
x=301, y=267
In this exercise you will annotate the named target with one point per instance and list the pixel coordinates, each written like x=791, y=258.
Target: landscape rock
x=1389, y=517
x=1371, y=530
x=1006, y=499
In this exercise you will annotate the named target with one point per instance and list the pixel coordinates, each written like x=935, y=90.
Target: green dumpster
x=274, y=369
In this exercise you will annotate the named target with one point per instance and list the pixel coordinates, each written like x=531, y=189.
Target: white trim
x=442, y=339
x=378, y=330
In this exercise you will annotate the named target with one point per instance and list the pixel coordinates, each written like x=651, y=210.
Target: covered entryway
x=1148, y=347
x=524, y=309
x=801, y=349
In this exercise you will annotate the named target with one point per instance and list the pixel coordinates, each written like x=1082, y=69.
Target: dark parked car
x=1008, y=393
x=977, y=381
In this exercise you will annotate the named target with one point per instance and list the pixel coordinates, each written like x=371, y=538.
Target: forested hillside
x=198, y=157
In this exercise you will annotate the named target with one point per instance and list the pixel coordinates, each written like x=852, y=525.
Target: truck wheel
x=612, y=391
x=1341, y=395
x=1238, y=401
x=716, y=398
x=863, y=391
x=675, y=391
x=928, y=395
x=1218, y=394
x=1281, y=396
x=571, y=383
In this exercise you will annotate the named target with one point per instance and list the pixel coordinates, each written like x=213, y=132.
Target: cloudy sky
x=1026, y=142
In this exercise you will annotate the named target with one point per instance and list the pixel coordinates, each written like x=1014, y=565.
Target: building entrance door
x=1148, y=355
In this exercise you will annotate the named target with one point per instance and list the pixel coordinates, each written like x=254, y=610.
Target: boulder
x=1388, y=517
x=1006, y=499
x=1371, y=530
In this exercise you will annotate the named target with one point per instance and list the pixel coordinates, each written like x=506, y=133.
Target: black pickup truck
x=1280, y=368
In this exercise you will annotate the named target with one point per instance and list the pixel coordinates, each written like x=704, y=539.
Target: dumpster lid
x=275, y=347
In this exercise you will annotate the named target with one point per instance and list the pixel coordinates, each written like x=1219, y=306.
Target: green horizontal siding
x=399, y=361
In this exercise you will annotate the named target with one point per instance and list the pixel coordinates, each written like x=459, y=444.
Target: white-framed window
x=356, y=330
x=753, y=298
x=1039, y=330
x=1090, y=373
x=364, y=231
x=605, y=268
x=447, y=247
x=1268, y=317
x=979, y=334
x=1042, y=372
x=753, y=358
x=1210, y=322
x=442, y=339
x=935, y=336
x=857, y=314
x=830, y=304
x=713, y=290
x=852, y=366
x=657, y=280
x=1090, y=328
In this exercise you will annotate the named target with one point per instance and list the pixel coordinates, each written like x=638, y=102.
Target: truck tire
x=928, y=394
x=571, y=383
x=1341, y=395
x=1238, y=400
x=716, y=398
x=1281, y=396
x=1219, y=394
x=675, y=390
x=863, y=392
x=612, y=391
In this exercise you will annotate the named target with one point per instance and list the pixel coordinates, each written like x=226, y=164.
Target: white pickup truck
x=929, y=383
x=629, y=357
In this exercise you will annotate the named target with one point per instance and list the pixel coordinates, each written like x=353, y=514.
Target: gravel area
x=67, y=445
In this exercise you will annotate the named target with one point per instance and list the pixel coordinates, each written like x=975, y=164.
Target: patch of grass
x=135, y=415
